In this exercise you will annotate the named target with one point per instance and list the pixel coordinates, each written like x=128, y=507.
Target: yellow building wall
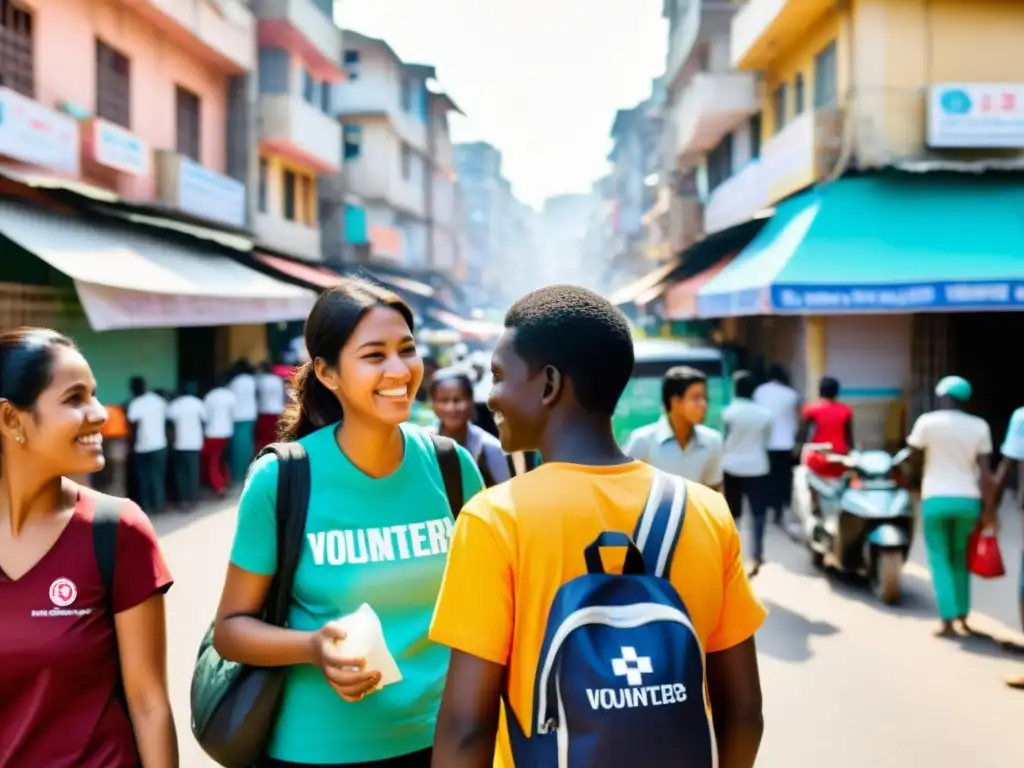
x=305, y=199
x=903, y=46
x=800, y=60
x=785, y=67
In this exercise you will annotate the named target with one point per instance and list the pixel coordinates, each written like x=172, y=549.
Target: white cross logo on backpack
x=632, y=667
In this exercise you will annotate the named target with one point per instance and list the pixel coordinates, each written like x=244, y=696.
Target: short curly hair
x=580, y=333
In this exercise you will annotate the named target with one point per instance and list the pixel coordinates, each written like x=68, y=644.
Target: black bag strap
x=292, y=506
x=451, y=471
x=105, y=520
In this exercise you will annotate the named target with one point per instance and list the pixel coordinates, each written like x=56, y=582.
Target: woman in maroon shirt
x=82, y=672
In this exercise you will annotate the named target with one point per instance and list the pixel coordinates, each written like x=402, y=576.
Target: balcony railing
x=703, y=20
x=308, y=20
x=713, y=106
x=291, y=237
x=737, y=199
x=805, y=152
x=223, y=31
x=295, y=127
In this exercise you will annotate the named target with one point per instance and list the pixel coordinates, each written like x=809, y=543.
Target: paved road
x=848, y=683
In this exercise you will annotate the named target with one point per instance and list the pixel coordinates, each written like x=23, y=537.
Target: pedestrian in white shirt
x=745, y=465
x=219, y=405
x=784, y=402
x=246, y=411
x=187, y=414
x=147, y=413
x=270, y=401
x=955, y=449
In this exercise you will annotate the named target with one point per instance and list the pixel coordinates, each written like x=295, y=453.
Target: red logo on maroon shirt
x=63, y=592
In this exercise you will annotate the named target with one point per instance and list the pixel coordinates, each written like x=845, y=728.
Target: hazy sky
x=539, y=79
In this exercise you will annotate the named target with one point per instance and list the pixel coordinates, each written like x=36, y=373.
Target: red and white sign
x=63, y=593
x=33, y=134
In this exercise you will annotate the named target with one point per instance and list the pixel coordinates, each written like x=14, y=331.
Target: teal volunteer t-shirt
x=378, y=541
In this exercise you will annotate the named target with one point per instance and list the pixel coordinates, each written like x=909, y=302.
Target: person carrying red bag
x=955, y=449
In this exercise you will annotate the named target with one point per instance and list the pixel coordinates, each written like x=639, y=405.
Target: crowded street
x=848, y=683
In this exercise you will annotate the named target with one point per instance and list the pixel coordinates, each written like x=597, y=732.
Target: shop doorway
x=197, y=357
x=984, y=351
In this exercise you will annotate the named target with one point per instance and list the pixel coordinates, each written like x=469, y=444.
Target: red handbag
x=984, y=558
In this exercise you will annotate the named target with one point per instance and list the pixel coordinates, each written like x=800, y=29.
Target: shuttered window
x=113, y=85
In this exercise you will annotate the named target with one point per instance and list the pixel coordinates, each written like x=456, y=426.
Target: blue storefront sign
x=911, y=297
x=210, y=195
x=118, y=148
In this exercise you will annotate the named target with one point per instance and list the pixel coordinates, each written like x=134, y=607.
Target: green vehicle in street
x=641, y=402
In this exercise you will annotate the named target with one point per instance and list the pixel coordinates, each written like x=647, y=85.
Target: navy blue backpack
x=620, y=680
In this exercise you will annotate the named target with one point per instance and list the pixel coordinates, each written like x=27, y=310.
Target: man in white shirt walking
x=219, y=405
x=784, y=403
x=270, y=401
x=243, y=438
x=748, y=429
x=187, y=414
x=147, y=414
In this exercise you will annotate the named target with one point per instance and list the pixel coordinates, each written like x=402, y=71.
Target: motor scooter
x=861, y=522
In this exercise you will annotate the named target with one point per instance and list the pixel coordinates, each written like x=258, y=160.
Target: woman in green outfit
x=377, y=534
x=955, y=448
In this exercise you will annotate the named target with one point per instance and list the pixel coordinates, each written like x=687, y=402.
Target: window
x=826, y=87
x=352, y=64
x=16, y=59
x=113, y=85
x=262, y=192
x=353, y=141
x=406, y=94
x=798, y=95
x=309, y=87
x=187, y=119
x=779, y=108
x=406, y=162
x=290, y=195
x=325, y=99
x=755, y=137
x=305, y=197
x=719, y=163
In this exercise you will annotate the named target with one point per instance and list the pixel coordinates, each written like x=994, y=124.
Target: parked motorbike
x=861, y=522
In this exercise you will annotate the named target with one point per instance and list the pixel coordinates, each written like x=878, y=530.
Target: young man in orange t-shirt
x=559, y=370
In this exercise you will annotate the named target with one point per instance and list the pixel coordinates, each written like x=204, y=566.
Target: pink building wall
x=65, y=34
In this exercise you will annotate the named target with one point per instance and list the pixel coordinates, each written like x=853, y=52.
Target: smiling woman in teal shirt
x=377, y=532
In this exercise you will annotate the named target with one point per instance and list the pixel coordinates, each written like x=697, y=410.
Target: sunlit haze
x=539, y=79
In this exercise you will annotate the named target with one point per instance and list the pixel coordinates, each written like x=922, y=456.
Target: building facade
x=887, y=130
x=299, y=141
x=398, y=192
x=125, y=180
x=565, y=222
x=635, y=161
x=501, y=231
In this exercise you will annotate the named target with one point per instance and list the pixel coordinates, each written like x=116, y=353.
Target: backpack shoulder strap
x=105, y=520
x=451, y=471
x=659, y=527
x=291, y=509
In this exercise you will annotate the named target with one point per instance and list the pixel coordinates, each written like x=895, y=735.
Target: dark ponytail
x=331, y=322
x=314, y=406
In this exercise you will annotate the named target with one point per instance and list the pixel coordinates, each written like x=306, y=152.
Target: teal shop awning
x=890, y=242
